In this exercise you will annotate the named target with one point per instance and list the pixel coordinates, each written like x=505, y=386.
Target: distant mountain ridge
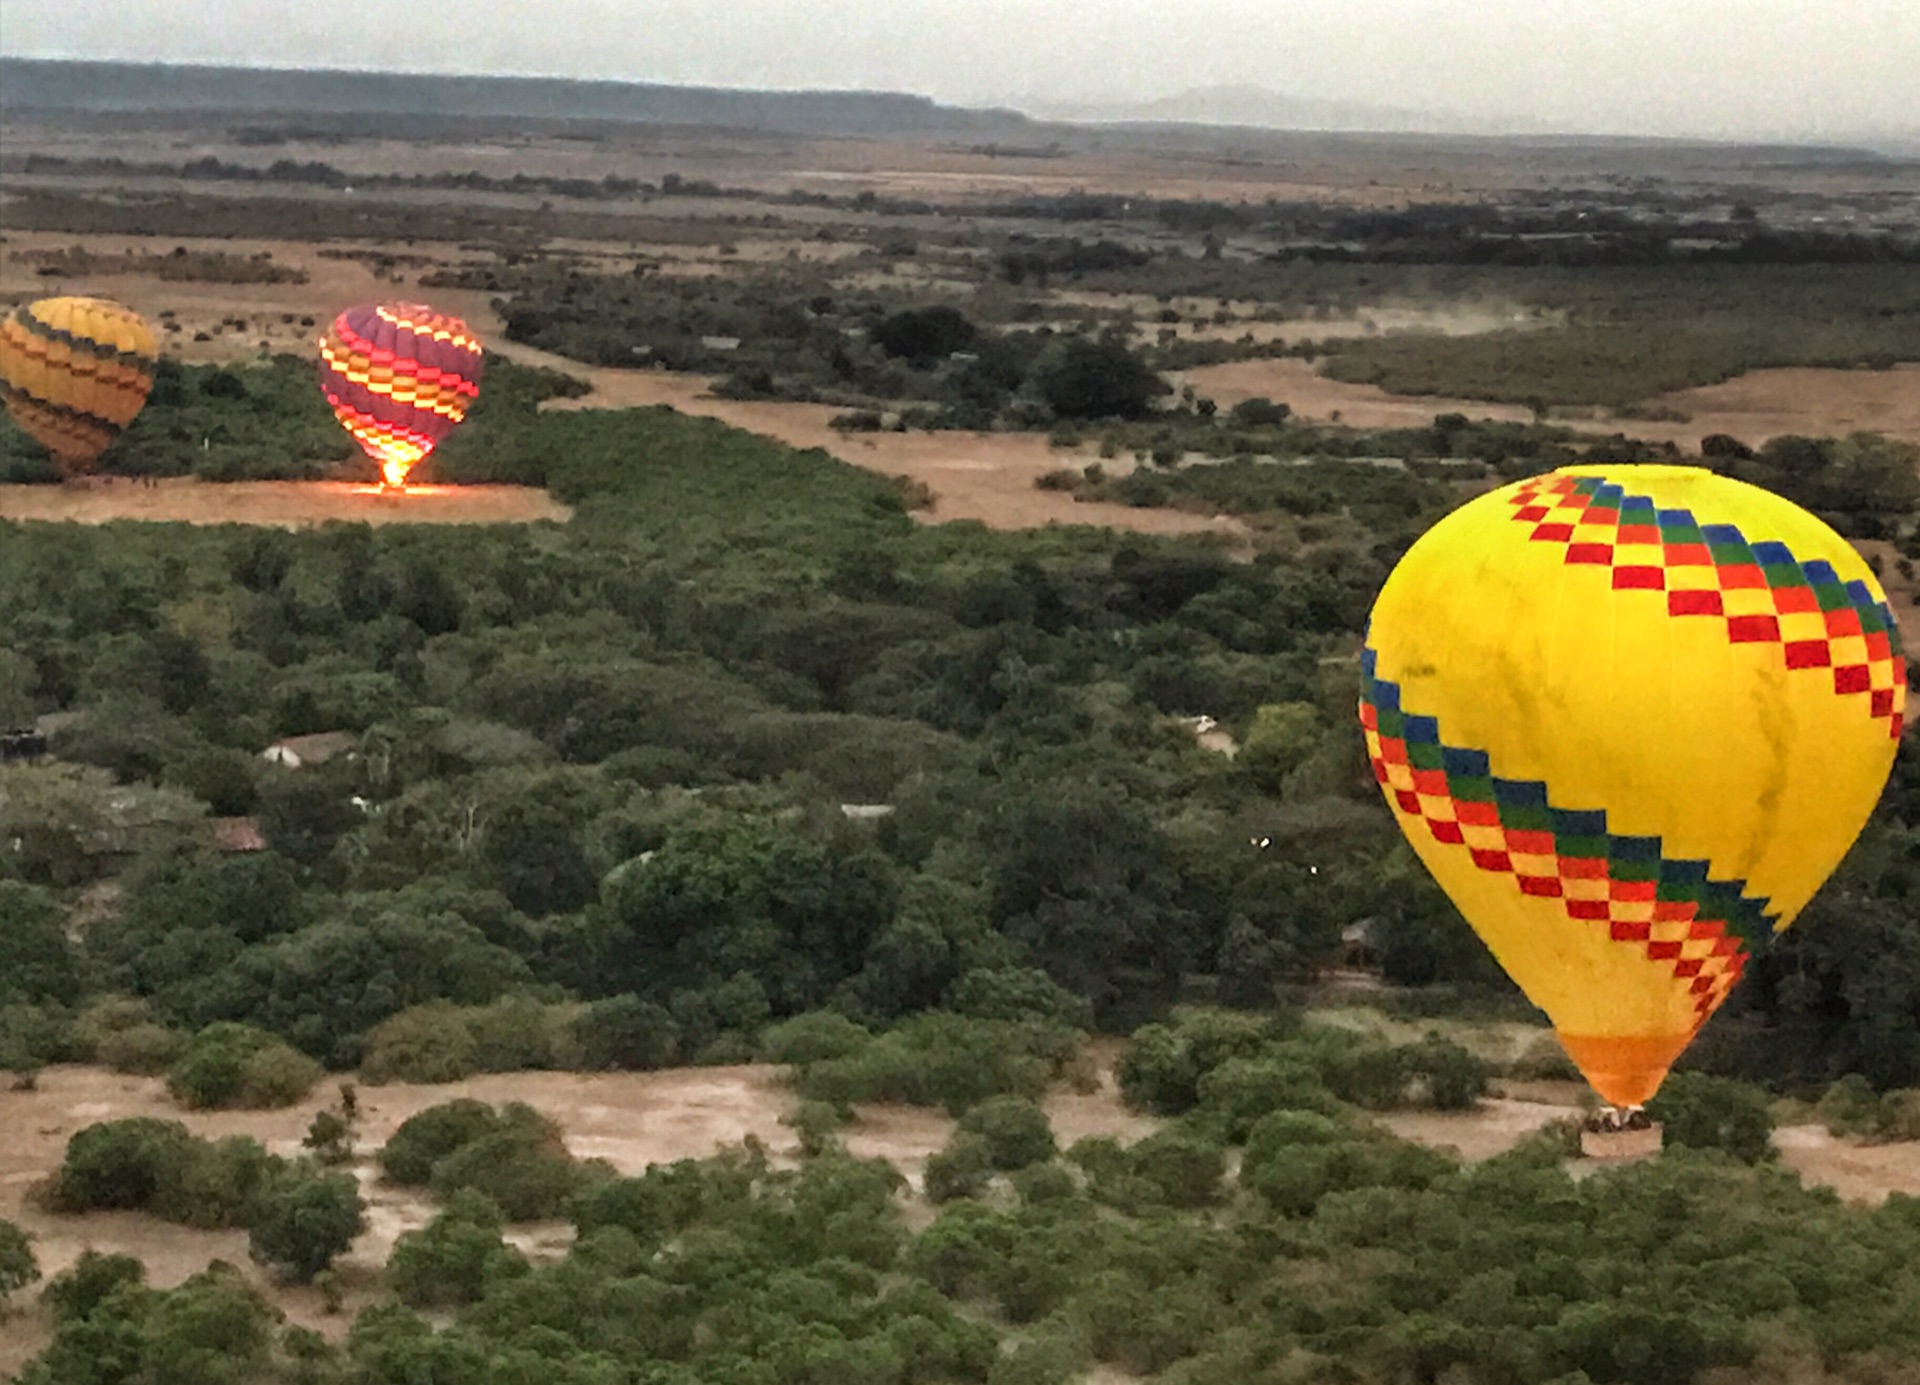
x=39, y=84
x=1257, y=108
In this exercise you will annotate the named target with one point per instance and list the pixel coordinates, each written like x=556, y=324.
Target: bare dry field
x=633, y=1120
x=1753, y=407
x=276, y=504
x=630, y=1120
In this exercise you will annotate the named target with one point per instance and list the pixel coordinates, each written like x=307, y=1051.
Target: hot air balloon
x=1631, y=718
x=400, y=377
x=74, y=372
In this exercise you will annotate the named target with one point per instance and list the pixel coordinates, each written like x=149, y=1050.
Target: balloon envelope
x=74, y=373
x=400, y=377
x=1631, y=718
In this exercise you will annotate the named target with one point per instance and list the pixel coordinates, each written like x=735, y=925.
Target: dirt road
x=279, y=504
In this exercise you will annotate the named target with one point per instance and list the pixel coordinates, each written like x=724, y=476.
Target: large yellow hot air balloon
x=74, y=372
x=1631, y=717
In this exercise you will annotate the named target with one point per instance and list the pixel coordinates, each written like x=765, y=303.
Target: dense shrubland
x=594, y=816
x=601, y=767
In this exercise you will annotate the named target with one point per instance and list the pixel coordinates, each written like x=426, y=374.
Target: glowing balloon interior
x=400, y=377
x=74, y=372
x=1631, y=718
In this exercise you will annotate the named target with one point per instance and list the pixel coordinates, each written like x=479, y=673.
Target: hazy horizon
x=1761, y=69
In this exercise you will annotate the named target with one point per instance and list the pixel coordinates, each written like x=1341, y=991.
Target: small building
x=303, y=752
x=233, y=836
x=17, y=747
x=1359, y=946
x=866, y=812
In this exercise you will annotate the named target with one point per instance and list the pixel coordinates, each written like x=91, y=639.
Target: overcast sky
x=1807, y=68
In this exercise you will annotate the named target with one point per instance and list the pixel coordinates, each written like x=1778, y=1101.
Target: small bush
x=962, y=1169
x=626, y=1033
x=817, y=1123
x=523, y=1167
x=943, y=1060
x=17, y=1266
x=819, y=1037
x=1453, y=1079
x=1715, y=1113
x=455, y=1258
x=1044, y=1183
x=1183, y=1166
x=235, y=1065
x=120, y=1032
x=94, y=1277
x=429, y=1043
x=119, y=1164
x=429, y=1136
x=519, y=1034
x=1164, y=1064
x=304, y=1223
x=1015, y=1132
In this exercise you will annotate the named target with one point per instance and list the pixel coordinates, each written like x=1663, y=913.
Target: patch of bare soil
x=630, y=1120
x=1222, y=319
x=277, y=504
x=1316, y=399
x=985, y=477
x=1753, y=408
x=1493, y=1127
x=1859, y=1173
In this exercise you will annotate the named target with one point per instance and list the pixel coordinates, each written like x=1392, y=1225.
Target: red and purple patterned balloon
x=400, y=377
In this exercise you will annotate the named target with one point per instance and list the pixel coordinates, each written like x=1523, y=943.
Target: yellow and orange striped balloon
x=400, y=377
x=74, y=372
x=1631, y=718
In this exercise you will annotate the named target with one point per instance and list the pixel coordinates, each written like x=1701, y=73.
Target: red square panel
x=1598, y=554
x=1639, y=579
x=1448, y=832
x=1492, y=860
x=1552, y=533
x=1854, y=678
x=1753, y=629
x=1808, y=654
x=1695, y=603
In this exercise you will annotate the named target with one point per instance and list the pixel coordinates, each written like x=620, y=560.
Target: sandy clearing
x=1494, y=1127
x=1859, y=1173
x=1226, y=319
x=985, y=477
x=1753, y=408
x=630, y=1120
x=277, y=504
